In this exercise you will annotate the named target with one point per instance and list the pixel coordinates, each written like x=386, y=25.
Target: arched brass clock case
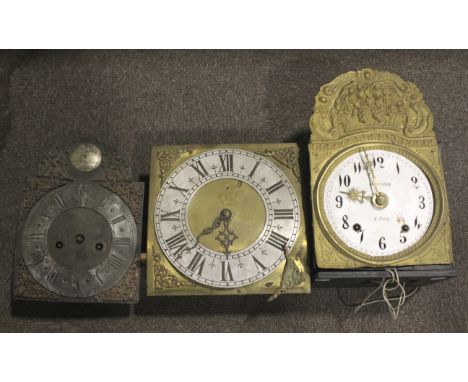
x=375, y=109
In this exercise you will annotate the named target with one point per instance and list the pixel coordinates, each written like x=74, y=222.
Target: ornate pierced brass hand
x=226, y=236
x=357, y=196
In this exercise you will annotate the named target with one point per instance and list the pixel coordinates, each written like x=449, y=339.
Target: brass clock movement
x=78, y=237
x=226, y=219
x=378, y=190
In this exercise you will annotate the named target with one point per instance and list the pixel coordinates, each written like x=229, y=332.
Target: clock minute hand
x=370, y=173
x=226, y=237
x=206, y=231
x=379, y=199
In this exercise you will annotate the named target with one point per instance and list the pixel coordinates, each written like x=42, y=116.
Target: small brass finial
x=85, y=157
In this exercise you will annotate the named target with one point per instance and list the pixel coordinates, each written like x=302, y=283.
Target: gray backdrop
x=131, y=100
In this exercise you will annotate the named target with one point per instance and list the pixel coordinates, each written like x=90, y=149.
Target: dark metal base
x=365, y=277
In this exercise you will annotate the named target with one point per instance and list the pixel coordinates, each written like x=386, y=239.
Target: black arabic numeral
x=382, y=244
x=345, y=222
x=414, y=179
x=422, y=205
x=378, y=161
x=346, y=180
x=357, y=167
x=339, y=201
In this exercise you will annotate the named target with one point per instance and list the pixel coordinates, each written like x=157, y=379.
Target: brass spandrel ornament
x=378, y=190
x=226, y=219
x=79, y=230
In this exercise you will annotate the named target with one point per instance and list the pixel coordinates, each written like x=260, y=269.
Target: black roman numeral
x=199, y=168
x=275, y=187
x=177, y=243
x=182, y=190
x=258, y=264
x=226, y=273
x=173, y=216
x=254, y=169
x=227, y=162
x=197, y=263
x=283, y=213
x=277, y=240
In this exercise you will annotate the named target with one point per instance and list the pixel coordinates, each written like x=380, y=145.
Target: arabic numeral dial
x=376, y=201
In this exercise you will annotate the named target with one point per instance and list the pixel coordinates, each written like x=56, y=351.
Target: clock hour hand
x=226, y=236
x=357, y=196
x=206, y=231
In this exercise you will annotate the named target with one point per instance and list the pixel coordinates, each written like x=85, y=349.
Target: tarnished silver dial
x=79, y=240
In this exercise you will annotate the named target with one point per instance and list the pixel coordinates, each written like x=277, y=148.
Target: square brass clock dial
x=378, y=190
x=226, y=219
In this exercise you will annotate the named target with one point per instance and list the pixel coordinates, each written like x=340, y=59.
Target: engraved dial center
x=79, y=239
x=233, y=200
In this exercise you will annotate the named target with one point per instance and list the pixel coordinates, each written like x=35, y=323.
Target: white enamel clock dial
x=378, y=202
x=224, y=218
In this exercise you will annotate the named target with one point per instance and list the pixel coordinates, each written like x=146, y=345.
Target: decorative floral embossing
x=163, y=278
x=286, y=156
x=369, y=100
x=168, y=157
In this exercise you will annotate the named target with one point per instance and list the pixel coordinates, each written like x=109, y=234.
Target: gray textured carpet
x=134, y=99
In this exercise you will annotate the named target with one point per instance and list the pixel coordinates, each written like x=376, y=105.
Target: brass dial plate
x=263, y=223
x=222, y=219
